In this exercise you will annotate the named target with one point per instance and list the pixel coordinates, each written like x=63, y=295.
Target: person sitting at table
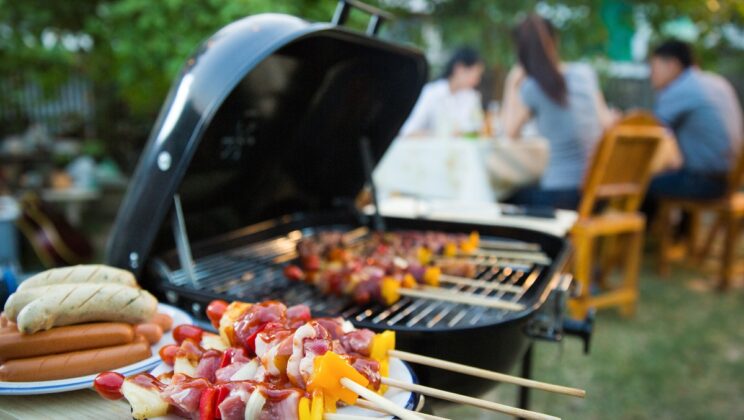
x=703, y=112
x=450, y=106
x=567, y=105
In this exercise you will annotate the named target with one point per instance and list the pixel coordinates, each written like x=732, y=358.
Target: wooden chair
x=729, y=211
x=613, y=192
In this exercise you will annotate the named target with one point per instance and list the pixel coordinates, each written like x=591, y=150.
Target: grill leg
x=524, y=392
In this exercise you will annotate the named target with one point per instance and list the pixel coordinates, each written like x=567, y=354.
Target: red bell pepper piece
x=207, y=404
x=311, y=263
x=227, y=357
x=222, y=393
x=250, y=342
x=293, y=272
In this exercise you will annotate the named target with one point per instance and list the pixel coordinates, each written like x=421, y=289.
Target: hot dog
x=152, y=332
x=14, y=345
x=78, y=363
x=80, y=303
x=80, y=274
x=164, y=320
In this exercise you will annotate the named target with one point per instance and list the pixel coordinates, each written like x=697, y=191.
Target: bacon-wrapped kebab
x=283, y=350
x=375, y=269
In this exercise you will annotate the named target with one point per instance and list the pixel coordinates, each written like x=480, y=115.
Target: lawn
x=681, y=357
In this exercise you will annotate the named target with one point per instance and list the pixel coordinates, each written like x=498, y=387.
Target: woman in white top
x=450, y=106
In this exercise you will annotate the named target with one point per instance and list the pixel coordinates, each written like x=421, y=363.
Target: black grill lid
x=265, y=119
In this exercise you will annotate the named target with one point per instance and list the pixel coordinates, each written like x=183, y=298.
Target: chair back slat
x=621, y=168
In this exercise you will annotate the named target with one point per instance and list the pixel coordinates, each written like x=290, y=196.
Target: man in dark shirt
x=704, y=114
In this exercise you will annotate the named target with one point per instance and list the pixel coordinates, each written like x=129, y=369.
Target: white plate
x=81, y=382
x=398, y=370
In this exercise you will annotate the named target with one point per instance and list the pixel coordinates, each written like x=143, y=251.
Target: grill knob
x=164, y=161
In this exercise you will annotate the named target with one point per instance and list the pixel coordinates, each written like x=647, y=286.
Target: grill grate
x=254, y=272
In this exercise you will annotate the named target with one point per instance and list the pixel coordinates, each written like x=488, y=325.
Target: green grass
x=681, y=357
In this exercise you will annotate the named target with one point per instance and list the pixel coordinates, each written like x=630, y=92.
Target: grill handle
x=581, y=328
x=377, y=16
x=550, y=322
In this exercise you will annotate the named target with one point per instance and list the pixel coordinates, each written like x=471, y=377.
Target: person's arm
x=515, y=113
x=418, y=123
x=607, y=116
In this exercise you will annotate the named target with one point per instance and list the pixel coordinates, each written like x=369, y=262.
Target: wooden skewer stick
x=369, y=406
x=337, y=416
x=356, y=234
x=535, y=257
x=483, y=373
x=483, y=284
x=435, y=293
x=464, y=399
x=493, y=263
x=380, y=401
x=507, y=245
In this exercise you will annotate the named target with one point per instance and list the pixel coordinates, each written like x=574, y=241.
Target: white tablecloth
x=459, y=169
x=481, y=213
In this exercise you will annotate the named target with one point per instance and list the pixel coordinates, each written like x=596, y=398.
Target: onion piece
x=247, y=372
x=254, y=405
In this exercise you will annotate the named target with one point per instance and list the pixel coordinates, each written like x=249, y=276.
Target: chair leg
x=582, y=267
x=705, y=250
x=608, y=259
x=729, y=251
x=663, y=223
x=694, y=233
x=632, y=270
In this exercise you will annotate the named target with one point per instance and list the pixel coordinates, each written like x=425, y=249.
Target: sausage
x=164, y=320
x=15, y=345
x=74, y=364
x=81, y=303
x=21, y=298
x=152, y=332
x=80, y=274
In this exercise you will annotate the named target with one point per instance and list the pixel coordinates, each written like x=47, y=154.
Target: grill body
x=274, y=116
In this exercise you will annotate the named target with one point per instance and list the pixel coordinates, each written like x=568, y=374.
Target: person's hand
x=614, y=115
x=516, y=75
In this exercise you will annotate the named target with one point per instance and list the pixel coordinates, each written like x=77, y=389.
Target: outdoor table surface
x=460, y=169
x=469, y=212
x=81, y=404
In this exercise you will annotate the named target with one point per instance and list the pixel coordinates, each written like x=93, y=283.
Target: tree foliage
x=132, y=49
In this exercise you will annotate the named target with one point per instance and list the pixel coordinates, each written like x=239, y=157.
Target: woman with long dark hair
x=567, y=105
x=450, y=105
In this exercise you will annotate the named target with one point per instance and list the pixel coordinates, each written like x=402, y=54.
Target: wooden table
x=82, y=404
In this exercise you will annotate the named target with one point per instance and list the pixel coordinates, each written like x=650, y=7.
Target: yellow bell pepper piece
x=450, y=250
x=329, y=403
x=467, y=247
x=431, y=276
x=408, y=281
x=328, y=370
x=384, y=372
x=232, y=313
x=303, y=409
x=389, y=290
x=316, y=407
x=382, y=343
x=424, y=255
x=474, y=239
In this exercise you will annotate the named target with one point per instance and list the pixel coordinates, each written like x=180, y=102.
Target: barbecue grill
x=270, y=131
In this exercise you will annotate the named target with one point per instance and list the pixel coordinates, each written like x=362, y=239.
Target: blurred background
x=82, y=82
